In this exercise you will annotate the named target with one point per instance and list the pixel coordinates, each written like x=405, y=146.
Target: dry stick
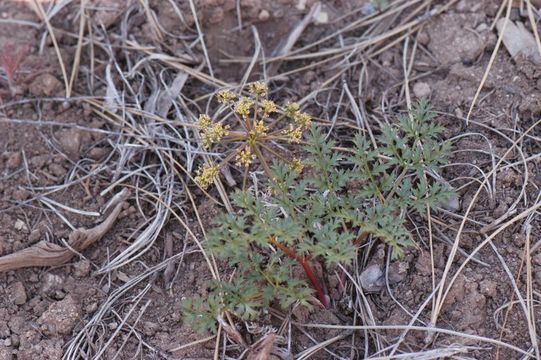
x=440, y=296
x=38, y=8
x=201, y=38
x=285, y=47
x=211, y=264
x=529, y=294
x=46, y=253
x=349, y=27
x=491, y=61
x=257, y=51
x=504, y=226
x=414, y=328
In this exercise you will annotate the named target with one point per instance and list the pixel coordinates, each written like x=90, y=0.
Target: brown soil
x=59, y=151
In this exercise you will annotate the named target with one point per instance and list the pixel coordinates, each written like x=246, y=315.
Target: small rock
x=14, y=160
x=45, y=85
x=488, y=288
x=321, y=17
x=98, y=152
x=20, y=226
x=61, y=316
x=264, y=15
x=5, y=353
x=91, y=308
x=372, y=279
x=421, y=90
x=70, y=141
x=34, y=236
x=398, y=270
x=81, y=268
x=51, y=283
x=150, y=328
x=216, y=16
x=57, y=170
x=453, y=204
x=17, y=325
x=20, y=194
x=17, y=293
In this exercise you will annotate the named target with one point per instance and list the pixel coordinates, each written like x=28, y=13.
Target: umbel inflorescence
x=320, y=217
x=259, y=124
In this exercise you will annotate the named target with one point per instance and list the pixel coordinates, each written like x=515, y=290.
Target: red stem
x=307, y=269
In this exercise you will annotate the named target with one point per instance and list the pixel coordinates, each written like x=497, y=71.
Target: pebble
x=20, y=225
x=488, y=288
x=57, y=170
x=421, y=90
x=50, y=283
x=372, y=278
x=14, y=160
x=70, y=141
x=81, y=268
x=45, y=85
x=98, y=152
x=61, y=316
x=264, y=15
x=17, y=293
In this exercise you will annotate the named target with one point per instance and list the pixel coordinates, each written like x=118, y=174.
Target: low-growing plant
x=258, y=124
x=321, y=217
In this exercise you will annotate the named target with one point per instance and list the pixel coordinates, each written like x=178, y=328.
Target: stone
x=61, y=316
x=372, y=279
x=45, y=85
x=70, y=141
x=51, y=283
x=17, y=293
x=14, y=160
x=264, y=15
x=421, y=90
x=81, y=268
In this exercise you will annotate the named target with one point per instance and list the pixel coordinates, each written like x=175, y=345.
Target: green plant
x=259, y=123
x=321, y=217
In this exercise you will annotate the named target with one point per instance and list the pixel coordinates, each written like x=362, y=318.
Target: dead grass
x=151, y=132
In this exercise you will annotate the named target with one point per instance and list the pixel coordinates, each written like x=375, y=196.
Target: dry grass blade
x=38, y=8
x=77, y=57
x=264, y=349
x=441, y=297
x=458, y=334
x=491, y=61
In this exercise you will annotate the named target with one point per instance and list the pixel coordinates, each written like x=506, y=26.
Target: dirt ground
x=62, y=160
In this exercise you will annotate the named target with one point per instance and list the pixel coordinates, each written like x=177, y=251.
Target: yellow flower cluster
x=211, y=132
x=268, y=107
x=243, y=106
x=293, y=133
x=206, y=175
x=303, y=120
x=260, y=128
x=291, y=109
x=258, y=88
x=244, y=157
x=225, y=96
x=296, y=165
